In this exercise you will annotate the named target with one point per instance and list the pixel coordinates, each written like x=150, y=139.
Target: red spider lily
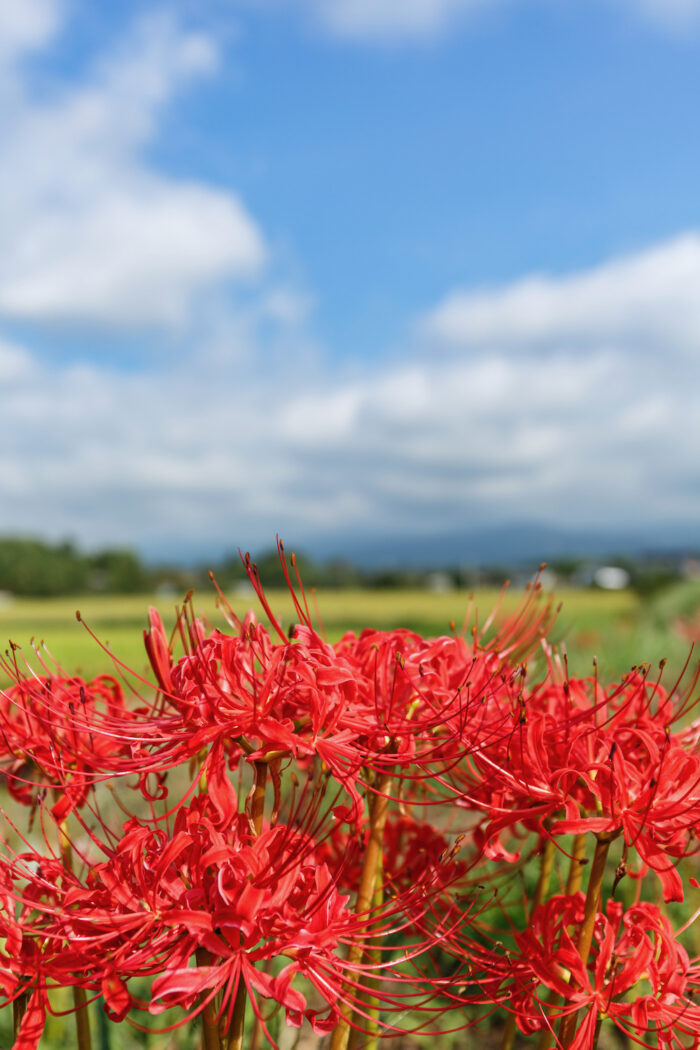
x=410, y=688
x=579, y=758
x=364, y=704
x=278, y=697
x=413, y=851
x=21, y=963
x=230, y=896
x=420, y=703
x=50, y=735
x=244, y=696
x=638, y=975
x=230, y=696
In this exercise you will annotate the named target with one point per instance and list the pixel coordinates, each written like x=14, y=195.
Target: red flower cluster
x=580, y=758
x=295, y=816
x=159, y=899
x=638, y=975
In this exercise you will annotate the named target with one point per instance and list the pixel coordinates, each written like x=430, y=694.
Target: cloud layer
x=585, y=426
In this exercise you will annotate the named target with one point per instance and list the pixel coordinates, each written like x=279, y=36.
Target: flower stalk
x=257, y=813
x=379, y=809
x=82, y=1017
x=576, y=865
x=546, y=865
x=592, y=905
x=210, y=1027
x=371, y=1001
x=19, y=1008
x=573, y=884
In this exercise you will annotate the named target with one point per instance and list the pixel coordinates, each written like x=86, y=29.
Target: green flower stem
x=19, y=1008
x=82, y=1017
x=370, y=867
x=371, y=1001
x=578, y=860
x=546, y=865
x=573, y=884
x=258, y=805
x=257, y=811
x=210, y=1027
x=591, y=908
x=235, y=1037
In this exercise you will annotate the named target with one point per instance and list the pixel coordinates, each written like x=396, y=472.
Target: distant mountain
x=516, y=544
x=520, y=544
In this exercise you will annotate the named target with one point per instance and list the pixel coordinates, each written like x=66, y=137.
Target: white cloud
x=673, y=14
x=26, y=25
x=131, y=255
x=91, y=231
x=650, y=298
x=387, y=19
x=15, y=363
x=285, y=306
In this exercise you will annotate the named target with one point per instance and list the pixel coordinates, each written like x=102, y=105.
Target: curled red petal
x=116, y=997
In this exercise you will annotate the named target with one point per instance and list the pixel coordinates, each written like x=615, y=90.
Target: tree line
x=35, y=568
x=32, y=567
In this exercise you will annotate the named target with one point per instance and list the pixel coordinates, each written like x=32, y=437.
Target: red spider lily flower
x=580, y=758
x=410, y=698
x=410, y=688
x=352, y=705
x=356, y=706
x=638, y=975
x=52, y=736
x=21, y=971
x=240, y=898
x=244, y=696
x=413, y=852
x=156, y=900
x=229, y=697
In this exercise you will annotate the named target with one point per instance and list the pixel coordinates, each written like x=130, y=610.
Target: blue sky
x=348, y=269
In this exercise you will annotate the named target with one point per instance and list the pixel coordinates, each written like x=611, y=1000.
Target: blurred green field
x=619, y=628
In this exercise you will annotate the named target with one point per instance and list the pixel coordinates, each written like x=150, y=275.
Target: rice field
x=618, y=628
